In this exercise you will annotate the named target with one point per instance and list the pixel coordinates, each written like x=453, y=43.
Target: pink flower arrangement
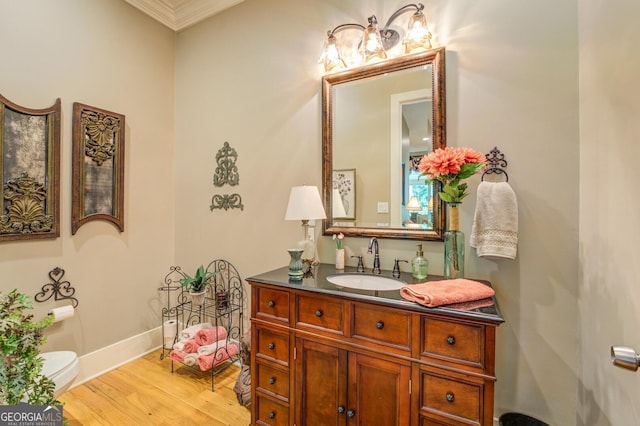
x=449, y=166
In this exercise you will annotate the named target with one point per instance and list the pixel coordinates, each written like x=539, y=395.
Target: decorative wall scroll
x=98, y=166
x=30, y=170
x=59, y=290
x=226, y=173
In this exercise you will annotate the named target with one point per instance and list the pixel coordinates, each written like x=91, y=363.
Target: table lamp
x=305, y=205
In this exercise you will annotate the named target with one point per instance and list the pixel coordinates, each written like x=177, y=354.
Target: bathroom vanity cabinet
x=328, y=355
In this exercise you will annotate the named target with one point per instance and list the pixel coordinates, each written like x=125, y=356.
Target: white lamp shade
x=305, y=204
x=413, y=205
x=338, y=206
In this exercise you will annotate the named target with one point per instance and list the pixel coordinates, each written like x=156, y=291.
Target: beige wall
x=512, y=81
x=106, y=54
x=609, y=205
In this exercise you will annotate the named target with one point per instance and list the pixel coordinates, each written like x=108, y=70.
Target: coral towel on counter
x=445, y=292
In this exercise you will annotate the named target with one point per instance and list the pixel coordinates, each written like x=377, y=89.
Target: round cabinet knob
x=272, y=415
x=451, y=340
x=450, y=397
x=272, y=303
x=340, y=409
x=379, y=325
x=351, y=413
x=318, y=313
x=272, y=380
x=271, y=345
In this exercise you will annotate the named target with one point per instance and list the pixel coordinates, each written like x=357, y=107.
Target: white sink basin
x=366, y=282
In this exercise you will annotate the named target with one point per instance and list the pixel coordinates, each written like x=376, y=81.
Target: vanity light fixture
x=375, y=43
x=331, y=57
x=371, y=46
x=305, y=205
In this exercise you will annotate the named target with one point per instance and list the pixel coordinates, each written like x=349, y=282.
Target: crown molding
x=180, y=14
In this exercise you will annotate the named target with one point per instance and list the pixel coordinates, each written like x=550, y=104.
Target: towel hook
x=497, y=163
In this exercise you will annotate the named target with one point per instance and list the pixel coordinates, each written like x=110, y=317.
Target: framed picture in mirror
x=344, y=194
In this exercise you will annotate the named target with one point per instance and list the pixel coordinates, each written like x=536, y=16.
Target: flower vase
x=295, y=264
x=340, y=259
x=453, y=245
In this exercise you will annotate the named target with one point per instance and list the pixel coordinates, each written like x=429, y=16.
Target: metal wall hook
x=496, y=164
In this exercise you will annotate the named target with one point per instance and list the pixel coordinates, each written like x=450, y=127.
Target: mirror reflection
x=378, y=121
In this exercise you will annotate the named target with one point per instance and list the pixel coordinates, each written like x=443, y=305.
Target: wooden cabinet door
x=337, y=387
x=320, y=383
x=379, y=392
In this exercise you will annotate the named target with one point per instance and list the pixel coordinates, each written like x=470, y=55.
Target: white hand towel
x=495, y=223
x=211, y=348
x=190, y=332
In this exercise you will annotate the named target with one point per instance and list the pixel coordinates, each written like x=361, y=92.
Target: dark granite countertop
x=318, y=284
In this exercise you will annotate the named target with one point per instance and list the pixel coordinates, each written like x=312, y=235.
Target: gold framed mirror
x=377, y=122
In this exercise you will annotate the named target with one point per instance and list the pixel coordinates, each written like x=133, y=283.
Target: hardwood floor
x=145, y=392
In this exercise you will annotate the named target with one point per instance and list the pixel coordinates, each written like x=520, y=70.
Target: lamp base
x=295, y=264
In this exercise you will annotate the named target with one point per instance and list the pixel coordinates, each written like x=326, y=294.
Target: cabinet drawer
x=271, y=413
x=272, y=304
x=320, y=313
x=272, y=346
x=384, y=326
x=457, y=342
x=449, y=397
x=272, y=380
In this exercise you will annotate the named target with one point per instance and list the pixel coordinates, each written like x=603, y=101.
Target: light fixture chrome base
x=390, y=38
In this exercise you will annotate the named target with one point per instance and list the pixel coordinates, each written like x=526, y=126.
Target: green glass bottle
x=420, y=265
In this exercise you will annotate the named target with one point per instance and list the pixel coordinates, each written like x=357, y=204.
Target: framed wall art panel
x=30, y=170
x=98, y=166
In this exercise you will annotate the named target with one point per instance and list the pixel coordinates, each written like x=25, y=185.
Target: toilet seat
x=62, y=367
x=55, y=362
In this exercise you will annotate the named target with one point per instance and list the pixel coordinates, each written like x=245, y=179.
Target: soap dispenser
x=419, y=264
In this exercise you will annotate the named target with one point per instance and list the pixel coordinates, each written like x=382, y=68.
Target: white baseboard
x=113, y=356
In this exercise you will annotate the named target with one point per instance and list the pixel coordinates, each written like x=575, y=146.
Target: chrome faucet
x=373, y=243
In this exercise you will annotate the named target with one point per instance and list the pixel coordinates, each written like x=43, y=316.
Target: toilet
x=62, y=367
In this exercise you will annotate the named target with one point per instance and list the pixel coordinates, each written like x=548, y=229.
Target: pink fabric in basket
x=207, y=336
x=445, y=292
x=177, y=356
x=190, y=346
x=206, y=362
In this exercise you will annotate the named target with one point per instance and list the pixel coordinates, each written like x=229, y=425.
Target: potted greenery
x=196, y=286
x=21, y=377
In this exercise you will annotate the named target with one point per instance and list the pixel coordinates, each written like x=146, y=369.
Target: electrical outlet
x=383, y=207
x=310, y=233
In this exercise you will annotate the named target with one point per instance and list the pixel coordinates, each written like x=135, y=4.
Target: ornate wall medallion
x=226, y=173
